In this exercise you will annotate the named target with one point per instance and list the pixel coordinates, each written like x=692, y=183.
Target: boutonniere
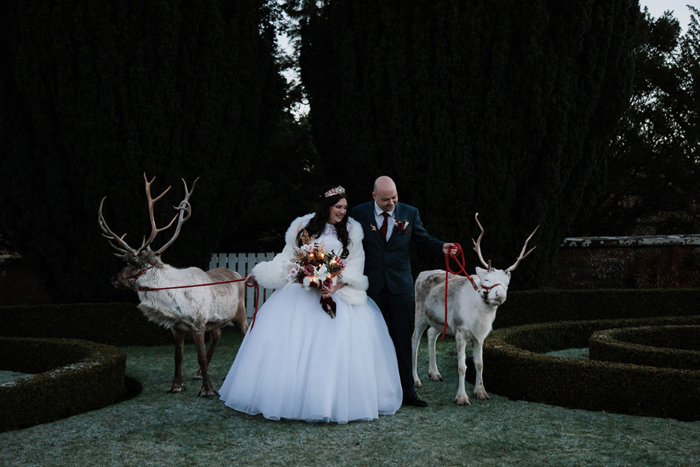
x=402, y=226
x=374, y=229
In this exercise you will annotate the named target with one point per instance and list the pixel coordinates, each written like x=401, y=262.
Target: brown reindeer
x=176, y=298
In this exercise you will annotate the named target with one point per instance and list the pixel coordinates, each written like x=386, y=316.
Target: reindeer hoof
x=435, y=377
x=462, y=400
x=198, y=376
x=175, y=388
x=482, y=395
x=417, y=383
x=207, y=392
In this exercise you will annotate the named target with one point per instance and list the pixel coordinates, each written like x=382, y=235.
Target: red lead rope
x=461, y=265
x=257, y=296
x=257, y=290
x=148, y=289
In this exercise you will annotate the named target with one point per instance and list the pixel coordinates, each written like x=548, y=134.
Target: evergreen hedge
x=72, y=377
x=661, y=346
x=119, y=324
x=95, y=93
x=540, y=306
x=518, y=368
x=504, y=107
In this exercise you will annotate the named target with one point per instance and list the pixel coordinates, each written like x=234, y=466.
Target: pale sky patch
x=680, y=11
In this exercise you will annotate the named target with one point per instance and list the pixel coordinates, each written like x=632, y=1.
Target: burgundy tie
x=382, y=229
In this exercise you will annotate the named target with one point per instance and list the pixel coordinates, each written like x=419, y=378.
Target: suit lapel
x=374, y=228
x=398, y=215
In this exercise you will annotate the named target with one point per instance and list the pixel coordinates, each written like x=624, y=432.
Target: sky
x=680, y=11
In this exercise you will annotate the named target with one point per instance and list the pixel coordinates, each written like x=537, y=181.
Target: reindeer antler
x=107, y=233
x=477, y=244
x=151, y=203
x=185, y=211
x=521, y=257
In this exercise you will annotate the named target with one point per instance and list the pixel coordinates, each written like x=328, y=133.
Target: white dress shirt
x=380, y=220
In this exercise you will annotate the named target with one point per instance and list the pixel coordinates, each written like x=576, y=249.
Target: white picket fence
x=243, y=263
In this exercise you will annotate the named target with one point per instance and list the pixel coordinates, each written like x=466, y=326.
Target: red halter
x=138, y=274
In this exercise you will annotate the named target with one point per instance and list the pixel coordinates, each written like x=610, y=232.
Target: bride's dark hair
x=318, y=222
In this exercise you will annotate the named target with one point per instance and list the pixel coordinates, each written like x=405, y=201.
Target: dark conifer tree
x=504, y=107
x=655, y=161
x=93, y=94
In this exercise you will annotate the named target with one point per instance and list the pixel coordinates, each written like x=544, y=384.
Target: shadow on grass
x=132, y=388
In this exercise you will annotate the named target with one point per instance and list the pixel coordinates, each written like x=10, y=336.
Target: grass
x=156, y=428
x=7, y=376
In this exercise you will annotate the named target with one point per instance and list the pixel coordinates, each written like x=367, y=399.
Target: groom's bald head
x=385, y=194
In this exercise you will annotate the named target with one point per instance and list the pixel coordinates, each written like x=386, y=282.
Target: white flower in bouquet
x=310, y=282
x=294, y=272
x=322, y=272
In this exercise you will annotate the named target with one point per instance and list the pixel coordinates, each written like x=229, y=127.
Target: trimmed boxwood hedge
x=119, y=324
x=516, y=367
x=72, y=377
x=662, y=346
x=122, y=324
x=541, y=306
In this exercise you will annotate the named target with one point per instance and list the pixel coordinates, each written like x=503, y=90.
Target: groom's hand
x=449, y=249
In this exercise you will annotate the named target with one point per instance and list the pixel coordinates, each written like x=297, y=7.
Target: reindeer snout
x=118, y=282
x=497, y=295
x=500, y=298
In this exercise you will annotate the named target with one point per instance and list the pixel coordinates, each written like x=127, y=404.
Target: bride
x=300, y=363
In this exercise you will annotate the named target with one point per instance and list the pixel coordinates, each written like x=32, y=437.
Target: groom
x=389, y=228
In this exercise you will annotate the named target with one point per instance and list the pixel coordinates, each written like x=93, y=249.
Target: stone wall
x=617, y=262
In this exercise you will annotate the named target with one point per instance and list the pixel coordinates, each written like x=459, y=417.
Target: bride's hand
x=250, y=279
x=328, y=292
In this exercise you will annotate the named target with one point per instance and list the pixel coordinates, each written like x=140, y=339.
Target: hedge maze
x=660, y=346
x=68, y=350
x=620, y=376
x=644, y=348
x=69, y=377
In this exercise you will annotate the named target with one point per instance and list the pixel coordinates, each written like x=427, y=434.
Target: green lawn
x=156, y=428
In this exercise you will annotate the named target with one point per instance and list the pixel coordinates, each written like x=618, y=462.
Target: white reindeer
x=470, y=315
x=180, y=309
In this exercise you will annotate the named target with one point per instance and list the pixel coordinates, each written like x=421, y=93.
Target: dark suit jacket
x=389, y=262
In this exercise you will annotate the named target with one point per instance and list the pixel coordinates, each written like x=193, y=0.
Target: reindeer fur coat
x=275, y=274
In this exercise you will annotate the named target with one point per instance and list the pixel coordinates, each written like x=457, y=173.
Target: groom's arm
x=426, y=243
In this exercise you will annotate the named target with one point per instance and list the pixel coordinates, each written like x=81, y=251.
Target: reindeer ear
x=481, y=272
x=506, y=278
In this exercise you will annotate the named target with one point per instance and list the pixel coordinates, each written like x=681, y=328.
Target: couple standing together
x=298, y=363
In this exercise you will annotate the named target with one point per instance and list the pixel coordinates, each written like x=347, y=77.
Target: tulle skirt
x=298, y=363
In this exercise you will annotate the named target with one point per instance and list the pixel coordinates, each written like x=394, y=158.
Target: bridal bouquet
x=315, y=268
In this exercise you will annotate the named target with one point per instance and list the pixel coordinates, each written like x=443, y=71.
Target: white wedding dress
x=298, y=363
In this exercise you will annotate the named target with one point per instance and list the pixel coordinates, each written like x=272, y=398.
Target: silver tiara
x=339, y=190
